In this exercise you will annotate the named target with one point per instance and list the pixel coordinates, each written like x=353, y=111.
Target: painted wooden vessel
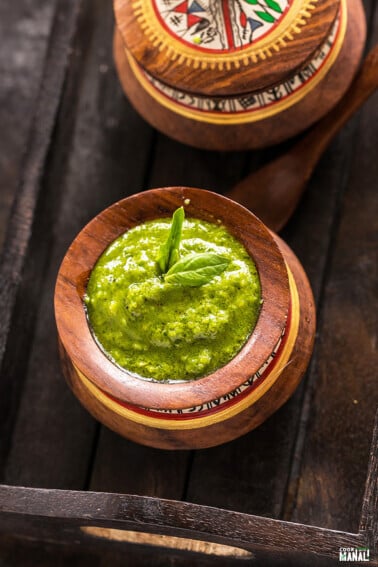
x=220, y=406
x=236, y=74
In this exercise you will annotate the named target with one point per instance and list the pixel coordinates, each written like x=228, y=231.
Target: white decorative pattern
x=250, y=103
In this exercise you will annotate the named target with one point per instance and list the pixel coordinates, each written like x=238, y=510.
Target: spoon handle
x=362, y=87
x=273, y=192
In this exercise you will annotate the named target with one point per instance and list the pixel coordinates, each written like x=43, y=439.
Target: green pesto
x=167, y=331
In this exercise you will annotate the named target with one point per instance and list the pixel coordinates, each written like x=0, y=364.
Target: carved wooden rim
x=95, y=237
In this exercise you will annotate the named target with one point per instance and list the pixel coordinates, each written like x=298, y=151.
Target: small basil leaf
x=197, y=269
x=169, y=251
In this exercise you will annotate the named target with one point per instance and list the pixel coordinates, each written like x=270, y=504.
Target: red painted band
x=227, y=24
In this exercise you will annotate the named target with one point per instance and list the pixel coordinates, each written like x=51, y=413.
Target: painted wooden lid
x=222, y=47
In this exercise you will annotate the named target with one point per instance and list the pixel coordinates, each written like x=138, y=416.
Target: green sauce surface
x=165, y=331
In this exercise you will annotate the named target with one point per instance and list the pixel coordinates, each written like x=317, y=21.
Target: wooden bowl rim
x=97, y=235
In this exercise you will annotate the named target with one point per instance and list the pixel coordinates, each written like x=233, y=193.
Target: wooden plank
x=131, y=468
x=344, y=385
x=24, y=36
x=107, y=147
x=59, y=515
x=177, y=164
x=18, y=242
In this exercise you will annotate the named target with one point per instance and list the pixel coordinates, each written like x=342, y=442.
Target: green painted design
x=265, y=13
x=266, y=16
x=274, y=6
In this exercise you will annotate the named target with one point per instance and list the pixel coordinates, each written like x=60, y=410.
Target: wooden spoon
x=273, y=192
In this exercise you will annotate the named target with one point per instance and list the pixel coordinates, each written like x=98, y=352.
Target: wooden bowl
x=220, y=406
x=237, y=96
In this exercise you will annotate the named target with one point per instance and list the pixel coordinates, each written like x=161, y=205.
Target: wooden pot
x=245, y=88
x=220, y=406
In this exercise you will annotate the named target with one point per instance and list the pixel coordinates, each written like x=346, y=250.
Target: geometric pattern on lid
x=221, y=34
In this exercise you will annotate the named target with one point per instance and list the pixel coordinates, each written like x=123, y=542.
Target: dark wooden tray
x=290, y=493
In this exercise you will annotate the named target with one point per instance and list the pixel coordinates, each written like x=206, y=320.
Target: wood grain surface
x=24, y=31
x=101, y=152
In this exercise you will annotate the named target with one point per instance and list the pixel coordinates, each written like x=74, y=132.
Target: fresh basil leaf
x=197, y=269
x=169, y=251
